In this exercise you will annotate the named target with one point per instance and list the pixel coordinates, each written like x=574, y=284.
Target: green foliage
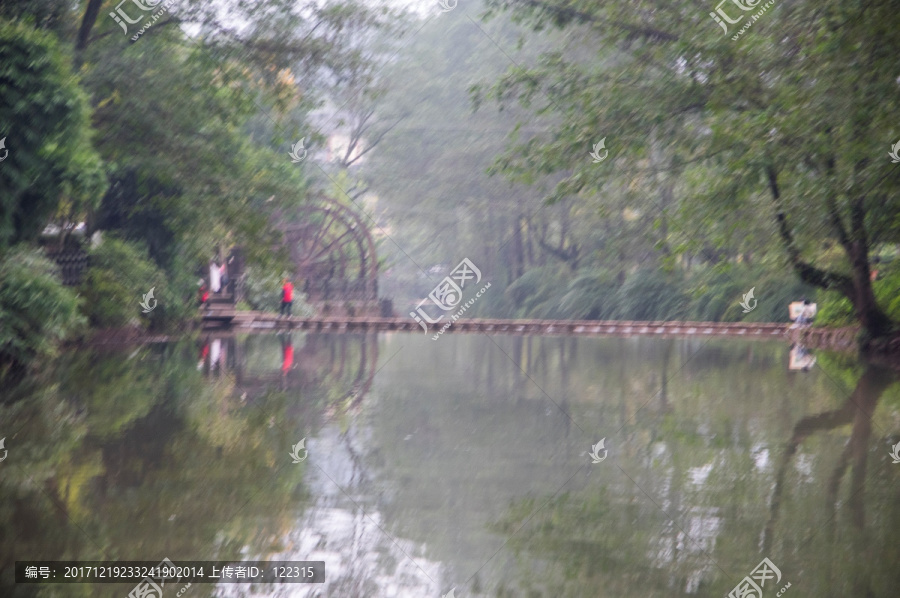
x=591, y=296
x=836, y=310
x=45, y=119
x=710, y=294
x=716, y=294
x=119, y=275
x=650, y=295
x=535, y=293
x=725, y=161
x=191, y=170
x=36, y=311
x=713, y=295
x=45, y=14
x=263, y=290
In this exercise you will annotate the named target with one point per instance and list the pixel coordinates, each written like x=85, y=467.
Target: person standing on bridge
x=215, y=276
x=287, y=297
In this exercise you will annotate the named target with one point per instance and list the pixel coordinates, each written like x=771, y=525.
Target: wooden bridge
x=229, y=318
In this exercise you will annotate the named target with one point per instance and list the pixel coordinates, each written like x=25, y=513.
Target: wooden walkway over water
x=229, y=318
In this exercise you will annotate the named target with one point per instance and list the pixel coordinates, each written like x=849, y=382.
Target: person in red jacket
x=287, y=297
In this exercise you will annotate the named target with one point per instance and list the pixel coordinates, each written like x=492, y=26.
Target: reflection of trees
x=580, y=543
x=138, y=455
x=858, y=409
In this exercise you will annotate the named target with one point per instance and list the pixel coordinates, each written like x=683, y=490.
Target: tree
x=775, y=121
x=45, y=121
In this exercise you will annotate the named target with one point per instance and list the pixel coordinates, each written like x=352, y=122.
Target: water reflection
x=461, y=463
x=294, y=362
x=801, y=358
x=857, y=411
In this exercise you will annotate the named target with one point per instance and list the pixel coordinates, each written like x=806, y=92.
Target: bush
x=836, y=310
x=36, y=310
x=717, y=294
x=591, y=296
x=262, y=291
x=537, y=293
x=120, y=275
x=651, y=295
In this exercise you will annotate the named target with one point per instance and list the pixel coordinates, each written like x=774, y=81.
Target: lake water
x=461, y=464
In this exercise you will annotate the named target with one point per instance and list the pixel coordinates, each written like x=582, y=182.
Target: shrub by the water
x=120, y=274
x=836, y=310
x=651, y=295
x=711, y=294
x=36, y=310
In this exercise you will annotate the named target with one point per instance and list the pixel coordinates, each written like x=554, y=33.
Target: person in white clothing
x=215, y=277
x=808, y=313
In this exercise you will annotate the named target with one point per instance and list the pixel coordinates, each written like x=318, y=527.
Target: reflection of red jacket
x=287, y=292
x=288, y=360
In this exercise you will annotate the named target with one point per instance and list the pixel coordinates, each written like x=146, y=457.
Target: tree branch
x=806, y=271
x=578, y=15
x=568, y=256
x=369, y=147
x=833, y=212
x=356, y=133
x=836, y=222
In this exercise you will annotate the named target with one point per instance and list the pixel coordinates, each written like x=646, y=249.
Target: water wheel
x=334, y=253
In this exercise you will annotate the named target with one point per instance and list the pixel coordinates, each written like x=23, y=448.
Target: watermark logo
x=723, y=19
x=595, y=451
x=600, y=145
x=752, y=585
x=894, y=153
x=148, y=588
x=123, y=19
x=450, y=594
x=295, y=151
x=447, y=295
x=3, y=147
x=895, y=454
x=148, y=297
x=719, y=19
x=447, y=6
x=3, y=448
x=748, y=297
x=295, y=451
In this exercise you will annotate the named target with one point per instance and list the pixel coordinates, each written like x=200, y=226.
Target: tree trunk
x=870, y=315
x=91, y=12
x=529, y=242
x=518, y=253
x=858, y=286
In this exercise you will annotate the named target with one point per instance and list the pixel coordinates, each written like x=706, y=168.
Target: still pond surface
x=460, y=465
